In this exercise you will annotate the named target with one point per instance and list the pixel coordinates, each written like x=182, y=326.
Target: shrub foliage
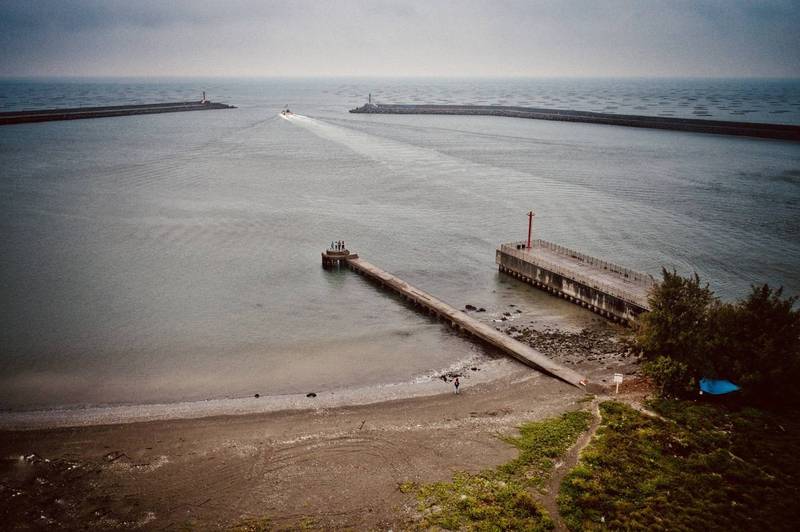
x=690, y=334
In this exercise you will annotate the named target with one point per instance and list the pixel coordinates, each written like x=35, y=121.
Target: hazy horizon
x=381, y=39
x=379, y=77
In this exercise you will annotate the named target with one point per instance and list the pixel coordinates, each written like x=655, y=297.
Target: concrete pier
x=79, y=113
x=454, y=317
x=334, y=258
x=717, y=127
x=614, y=292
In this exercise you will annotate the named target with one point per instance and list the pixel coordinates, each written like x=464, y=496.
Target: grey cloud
x=414, y=37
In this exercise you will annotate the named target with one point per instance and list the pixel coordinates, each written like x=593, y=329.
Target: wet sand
x=337, y=467
x=325, y=467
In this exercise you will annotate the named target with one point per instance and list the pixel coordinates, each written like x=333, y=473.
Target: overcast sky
x=739, y=38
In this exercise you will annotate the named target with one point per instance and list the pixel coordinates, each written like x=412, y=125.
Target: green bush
x=671, y=376
x=756, y=342
x=676, y=327
x=690, y=334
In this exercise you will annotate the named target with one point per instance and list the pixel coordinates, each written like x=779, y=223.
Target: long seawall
x=717, y=127
x=79, y=113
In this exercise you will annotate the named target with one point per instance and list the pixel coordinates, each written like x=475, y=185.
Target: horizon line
x=380, y=77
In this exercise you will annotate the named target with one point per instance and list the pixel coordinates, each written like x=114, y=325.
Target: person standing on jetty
x=456, y=384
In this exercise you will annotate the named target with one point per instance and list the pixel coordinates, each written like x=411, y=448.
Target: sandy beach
x=326, y=467
x=336, y=467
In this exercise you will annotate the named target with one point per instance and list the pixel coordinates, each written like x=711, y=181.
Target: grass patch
x=501, y=499
x=703, y=468
x=408, y=487
x=253, y=524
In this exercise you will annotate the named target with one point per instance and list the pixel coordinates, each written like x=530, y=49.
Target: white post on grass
x=617, y=380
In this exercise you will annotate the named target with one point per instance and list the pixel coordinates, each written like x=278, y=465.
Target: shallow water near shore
x=175, y=258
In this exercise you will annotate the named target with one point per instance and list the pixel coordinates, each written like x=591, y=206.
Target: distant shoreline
x=79, y=113
x=716, y=127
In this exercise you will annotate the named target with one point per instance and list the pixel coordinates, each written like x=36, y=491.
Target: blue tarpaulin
x=717, y=387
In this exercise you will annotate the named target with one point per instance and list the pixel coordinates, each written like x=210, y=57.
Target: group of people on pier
x=338, y=246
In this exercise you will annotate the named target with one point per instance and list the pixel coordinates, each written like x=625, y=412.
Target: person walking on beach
x=456, y=383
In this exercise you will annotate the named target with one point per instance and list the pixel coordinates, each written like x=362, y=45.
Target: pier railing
x=638, y=278
x=642, y=279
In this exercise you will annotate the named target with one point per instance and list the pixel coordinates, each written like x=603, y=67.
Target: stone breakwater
x=597, y=353
x=717, y=127
x=78, y=113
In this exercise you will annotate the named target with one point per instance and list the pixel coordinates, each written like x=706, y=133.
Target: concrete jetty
x=717, y=127
x=79, y=113
x=615, y=292
x=456, y=318
x=333, y=258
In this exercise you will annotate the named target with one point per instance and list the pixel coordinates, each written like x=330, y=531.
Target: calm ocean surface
x=175, y=257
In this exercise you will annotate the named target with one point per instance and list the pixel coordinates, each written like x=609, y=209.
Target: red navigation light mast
x=530, y=227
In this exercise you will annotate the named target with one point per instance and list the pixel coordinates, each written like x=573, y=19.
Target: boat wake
x=292, y=116
x=470, y=182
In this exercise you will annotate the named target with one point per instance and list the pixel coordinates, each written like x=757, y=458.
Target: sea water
x=175, y=257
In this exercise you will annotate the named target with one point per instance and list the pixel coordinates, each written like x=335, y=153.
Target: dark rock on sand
x=470, y=307
x=600, y=349
x=312, y=394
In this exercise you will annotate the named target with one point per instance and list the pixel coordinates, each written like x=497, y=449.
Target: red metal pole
x=530, y=227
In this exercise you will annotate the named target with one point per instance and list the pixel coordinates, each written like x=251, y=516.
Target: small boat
x=286, y=112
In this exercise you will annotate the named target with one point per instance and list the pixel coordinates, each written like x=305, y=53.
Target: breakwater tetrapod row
x=717, y=127
x=80, y=113
x=456, y=318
